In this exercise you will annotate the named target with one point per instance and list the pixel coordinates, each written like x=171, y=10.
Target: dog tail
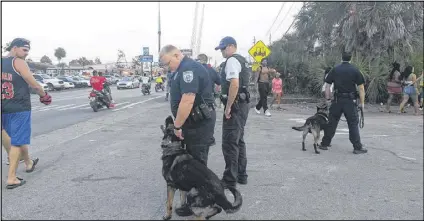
x=299, y=128
x=227, y=205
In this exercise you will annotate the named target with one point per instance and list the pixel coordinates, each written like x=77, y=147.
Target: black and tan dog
x=205, y=191
x=314, y=125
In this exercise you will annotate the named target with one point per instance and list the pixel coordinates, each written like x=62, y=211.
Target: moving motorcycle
x=98, y=100
x=145, y=88
x=159, y=86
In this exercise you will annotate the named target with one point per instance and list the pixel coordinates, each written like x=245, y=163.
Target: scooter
x=98, y=100
x=159, y=86
x=145, y=88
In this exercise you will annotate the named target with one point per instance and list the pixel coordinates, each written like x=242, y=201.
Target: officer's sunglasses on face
x=166, y=64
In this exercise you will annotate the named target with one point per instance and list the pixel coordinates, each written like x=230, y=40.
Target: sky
x=99, y=29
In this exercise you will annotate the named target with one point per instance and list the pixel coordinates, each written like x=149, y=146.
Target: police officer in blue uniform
x=235, y=76
x=216, y=79
x=346, y=78
x=191, y=105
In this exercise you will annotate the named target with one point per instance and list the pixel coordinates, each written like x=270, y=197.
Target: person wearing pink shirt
x=277, y=89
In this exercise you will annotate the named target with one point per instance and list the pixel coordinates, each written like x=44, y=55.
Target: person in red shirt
x=97, y=82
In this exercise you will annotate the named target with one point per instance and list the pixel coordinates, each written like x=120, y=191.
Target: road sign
x=259, y=51
x=146, y=58
x=255, y=66
x=145, y=51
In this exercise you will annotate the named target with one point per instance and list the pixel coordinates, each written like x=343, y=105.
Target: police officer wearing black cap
x=346, y=78
x=235, y=96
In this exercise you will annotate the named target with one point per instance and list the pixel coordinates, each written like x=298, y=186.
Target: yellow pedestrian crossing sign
x=259, y=51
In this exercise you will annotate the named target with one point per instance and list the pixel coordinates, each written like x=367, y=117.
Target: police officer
x=191, y=102
x=235, y=96
x=191, y=105
x=215, y=78
x=345, y=77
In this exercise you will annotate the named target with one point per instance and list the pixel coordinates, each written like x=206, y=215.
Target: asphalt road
x=107, y=165
x=72, y=107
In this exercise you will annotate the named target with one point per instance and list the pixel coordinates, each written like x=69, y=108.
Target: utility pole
x=254, y=40
x=194, y=30
x=159, y=29
x=199, y=36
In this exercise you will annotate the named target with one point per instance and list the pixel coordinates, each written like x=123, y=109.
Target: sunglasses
x=25, y=50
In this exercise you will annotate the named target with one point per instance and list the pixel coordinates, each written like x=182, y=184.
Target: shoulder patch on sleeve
x=188, y=76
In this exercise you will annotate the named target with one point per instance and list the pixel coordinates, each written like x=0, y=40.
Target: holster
x=201, y=112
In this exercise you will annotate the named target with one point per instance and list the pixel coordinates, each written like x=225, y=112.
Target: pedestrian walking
x=16, y=79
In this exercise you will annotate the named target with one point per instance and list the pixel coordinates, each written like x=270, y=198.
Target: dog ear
x=169, y=120
x=163, y=129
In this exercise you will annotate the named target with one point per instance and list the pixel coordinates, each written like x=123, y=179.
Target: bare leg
x=279, y=100
x=5, y=141
x=389, y=102
x=404, y=101
x=13, y=159
x=25, y=156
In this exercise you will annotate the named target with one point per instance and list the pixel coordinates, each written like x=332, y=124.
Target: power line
x=284, y=17
x=281, y=9
x=294, y=19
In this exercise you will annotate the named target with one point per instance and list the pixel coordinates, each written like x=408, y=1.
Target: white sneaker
x=267, y=113
x=257, y=111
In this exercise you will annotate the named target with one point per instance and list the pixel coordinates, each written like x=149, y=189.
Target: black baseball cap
x=19, y=42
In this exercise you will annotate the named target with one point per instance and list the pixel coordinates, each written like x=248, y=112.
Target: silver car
x=128, y=82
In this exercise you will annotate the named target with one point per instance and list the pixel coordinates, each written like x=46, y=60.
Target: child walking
x=277, y=90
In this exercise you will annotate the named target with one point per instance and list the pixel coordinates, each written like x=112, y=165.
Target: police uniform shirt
x=190, y=77
x=345, y=77
x=232, y=68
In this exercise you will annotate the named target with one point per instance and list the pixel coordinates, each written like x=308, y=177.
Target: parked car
x=128, y=82
x=84, y=80
x=45, y=87
x=77, y=83
x=52, y=83
x=111, y=79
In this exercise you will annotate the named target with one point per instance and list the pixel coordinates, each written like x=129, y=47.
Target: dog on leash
x=202, y=192
x=314, y=125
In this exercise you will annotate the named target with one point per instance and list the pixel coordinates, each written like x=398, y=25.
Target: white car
x=45, y=87
x=68, y=85
x=52, y=83
x=128, y=82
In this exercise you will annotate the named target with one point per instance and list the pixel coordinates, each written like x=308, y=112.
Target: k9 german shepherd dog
x=205, y=191
x=314, y=125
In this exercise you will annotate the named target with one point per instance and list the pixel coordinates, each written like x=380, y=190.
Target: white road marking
x=126, y=102
x=407, y=158
x=343, y=129
x=46, y=107
x=130, y=105
x=62, y=109
x=298, y=120
x=340, y=133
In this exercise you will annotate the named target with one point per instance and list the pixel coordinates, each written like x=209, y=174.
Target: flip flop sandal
x=35, y=161
x=13, y=186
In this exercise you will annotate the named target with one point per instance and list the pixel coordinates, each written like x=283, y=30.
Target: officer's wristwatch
x=177, y=128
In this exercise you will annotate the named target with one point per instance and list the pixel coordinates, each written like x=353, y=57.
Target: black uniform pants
x=233, y=145
x=263, y=89
x=349, y=108
x=198, y=138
